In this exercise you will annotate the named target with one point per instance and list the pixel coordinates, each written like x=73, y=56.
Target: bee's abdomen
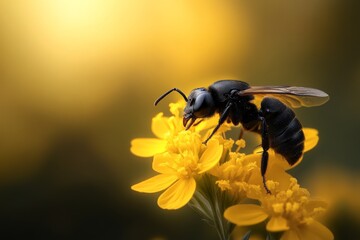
x=285, y=131
x=290, y=143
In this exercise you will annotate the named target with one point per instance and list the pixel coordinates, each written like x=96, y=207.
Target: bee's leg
x=222, y=119
x=265, y=147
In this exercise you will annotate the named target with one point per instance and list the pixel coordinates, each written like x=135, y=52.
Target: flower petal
x=211, y=156
x=178, y=194
x=162, y=163
x=277, y=174
x=245, y=214
x=177, y=108
x=155, y=184
x=315, y=231
x=311, y=138
x=277, y=224
x=291, y=234
x=147, y=147
x=159, y=126
x=206, y=124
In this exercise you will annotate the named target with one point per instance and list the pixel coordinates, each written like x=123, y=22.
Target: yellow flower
x=234, y=173
x=291, y=211
x=240, y=174
x=165, y=128
x=179, y=168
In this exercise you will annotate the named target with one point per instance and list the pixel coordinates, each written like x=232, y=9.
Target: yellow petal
x=211, y=156
x=147, y=147
x=291, y=234
x=159, y=126
x=177, y=108
x=277, y=224
x=178, y=194
x=277, y=174
x=274, y=158
x=206, y=124
x=252, y=158
x=155, y=184
x=315, y=231
x=245, y=214
x=162, y=163
x=311, y=138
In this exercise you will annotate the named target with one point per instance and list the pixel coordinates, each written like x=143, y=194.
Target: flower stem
x=210, y=202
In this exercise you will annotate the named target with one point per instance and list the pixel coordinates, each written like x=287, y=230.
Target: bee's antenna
x=167, y=93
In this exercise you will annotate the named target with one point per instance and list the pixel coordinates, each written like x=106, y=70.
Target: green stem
x=211, y=203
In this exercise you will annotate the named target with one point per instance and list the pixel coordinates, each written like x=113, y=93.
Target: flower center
x=189, y=169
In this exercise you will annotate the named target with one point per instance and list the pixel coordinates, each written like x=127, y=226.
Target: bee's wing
x=292, y=96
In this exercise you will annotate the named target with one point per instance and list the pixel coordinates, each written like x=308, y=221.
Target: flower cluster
x=218, y=178
x=179, y=157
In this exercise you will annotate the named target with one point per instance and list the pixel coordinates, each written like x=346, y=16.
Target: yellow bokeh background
x=78, y=79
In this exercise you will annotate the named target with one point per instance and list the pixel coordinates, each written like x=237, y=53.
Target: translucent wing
x=292, y=96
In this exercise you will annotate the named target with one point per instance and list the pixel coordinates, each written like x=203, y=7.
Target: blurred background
x=78, y=79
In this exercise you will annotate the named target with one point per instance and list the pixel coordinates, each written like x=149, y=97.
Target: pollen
x=234, y=174
x=289, y=193
x=224, y=184
x=278, y=208
x=271, y=184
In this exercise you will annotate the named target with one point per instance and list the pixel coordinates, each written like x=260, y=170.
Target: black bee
x=275, y=120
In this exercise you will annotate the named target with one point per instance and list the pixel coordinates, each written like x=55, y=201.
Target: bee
x=274, y=120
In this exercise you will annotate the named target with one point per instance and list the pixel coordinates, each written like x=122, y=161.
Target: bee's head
x=200, y=104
